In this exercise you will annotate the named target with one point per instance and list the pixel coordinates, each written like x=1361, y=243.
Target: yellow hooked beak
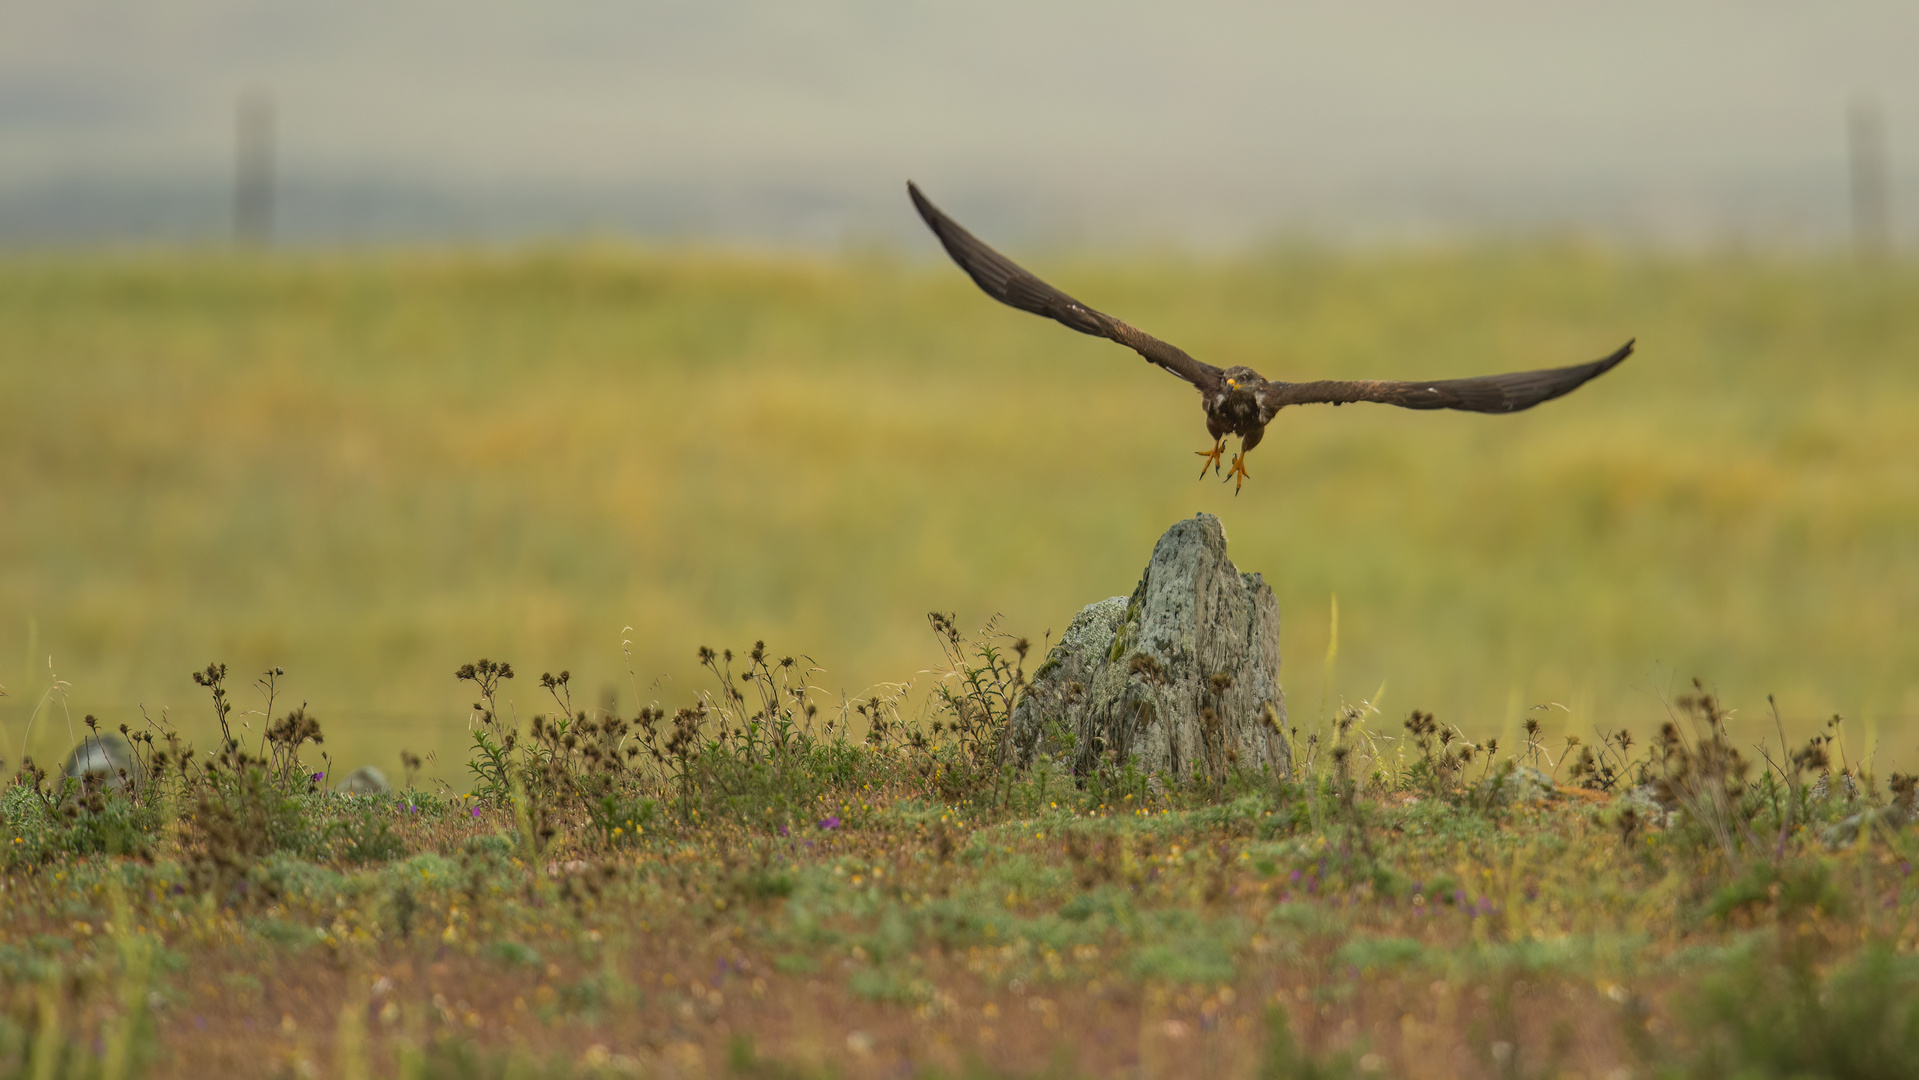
x=1232, y=384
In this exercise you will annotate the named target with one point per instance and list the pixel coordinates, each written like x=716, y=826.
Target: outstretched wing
x=1490, y=393
x=1005, y=281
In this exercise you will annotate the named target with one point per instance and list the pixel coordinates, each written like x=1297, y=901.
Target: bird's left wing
x=1005, y=281
x=1488, y=393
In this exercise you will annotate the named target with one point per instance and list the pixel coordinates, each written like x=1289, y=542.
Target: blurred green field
x=370, y=468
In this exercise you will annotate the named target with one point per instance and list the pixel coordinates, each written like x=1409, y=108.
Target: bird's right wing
x=1005, y=281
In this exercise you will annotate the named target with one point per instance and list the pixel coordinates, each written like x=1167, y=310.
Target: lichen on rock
x=1182, y=676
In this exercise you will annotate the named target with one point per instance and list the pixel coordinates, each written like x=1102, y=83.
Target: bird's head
x=1240, y=378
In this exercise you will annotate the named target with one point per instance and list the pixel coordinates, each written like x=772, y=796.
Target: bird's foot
x=1212, y=457
x=1237, y=471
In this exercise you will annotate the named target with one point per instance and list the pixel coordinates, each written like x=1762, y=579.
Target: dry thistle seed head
x=1147, y=666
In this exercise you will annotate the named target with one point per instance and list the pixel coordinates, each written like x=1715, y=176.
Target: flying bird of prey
x=1237, y=399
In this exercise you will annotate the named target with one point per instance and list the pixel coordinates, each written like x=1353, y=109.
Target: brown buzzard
x=1237, y=400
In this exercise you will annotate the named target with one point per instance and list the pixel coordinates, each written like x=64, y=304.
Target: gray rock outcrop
x=365, y=780
x=1521, y=785
x=108, y=758
x=1654, y=805
x=1884, y=819
x=1183, y=675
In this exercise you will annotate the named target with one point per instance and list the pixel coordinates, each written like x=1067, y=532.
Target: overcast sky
x=1213, y=122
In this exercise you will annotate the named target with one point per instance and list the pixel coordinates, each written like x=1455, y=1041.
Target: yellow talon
x=1212, y=457
x=1238, y=470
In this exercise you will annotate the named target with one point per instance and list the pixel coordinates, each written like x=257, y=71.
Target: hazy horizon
x=1071, y=122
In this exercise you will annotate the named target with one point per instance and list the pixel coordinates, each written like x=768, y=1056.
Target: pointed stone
x=1183, y=674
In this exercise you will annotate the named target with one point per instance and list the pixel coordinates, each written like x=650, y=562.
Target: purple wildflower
x=830, y=823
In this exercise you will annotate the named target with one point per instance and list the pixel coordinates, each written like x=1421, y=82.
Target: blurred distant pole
x=1871, y=195
x=253, y=170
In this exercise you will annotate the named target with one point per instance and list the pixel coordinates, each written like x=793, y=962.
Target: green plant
x=365, y=836
x=1778, y=1014
x=980, y=685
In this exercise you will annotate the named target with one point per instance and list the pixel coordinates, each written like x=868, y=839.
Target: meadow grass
x=366, y=468
x=751, y=893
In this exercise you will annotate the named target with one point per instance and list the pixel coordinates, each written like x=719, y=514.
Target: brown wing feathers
x=1005, y=281
x=1489, y=393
